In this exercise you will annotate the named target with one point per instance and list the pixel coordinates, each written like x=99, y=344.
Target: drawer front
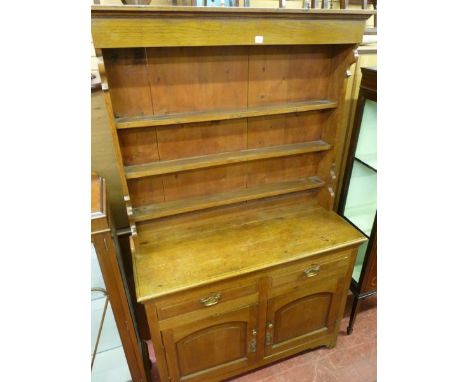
x=207, y=299
x=311, y=270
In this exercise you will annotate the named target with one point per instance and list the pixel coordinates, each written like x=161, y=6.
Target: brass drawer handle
x=312, y=271
x=211, y=300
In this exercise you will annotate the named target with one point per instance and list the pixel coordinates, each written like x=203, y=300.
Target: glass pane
x=111, y=366
x=110, y=363
x=110, y=337
x=361, y=203
x=366, y=149
x=96, y=276
x=359, y=261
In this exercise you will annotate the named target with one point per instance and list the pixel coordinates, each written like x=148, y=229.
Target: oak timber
x=191, y=163
x=249, y=234
x=219, y=115
x=251, y=237
x=162, y=209
x=122, y=27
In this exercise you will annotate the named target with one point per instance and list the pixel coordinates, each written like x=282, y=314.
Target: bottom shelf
x=202, y=202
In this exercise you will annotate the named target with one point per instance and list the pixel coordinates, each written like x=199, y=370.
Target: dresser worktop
x=180, y=253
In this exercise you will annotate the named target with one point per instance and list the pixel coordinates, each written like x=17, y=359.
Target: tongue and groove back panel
x=148, y=83
x=156, y=81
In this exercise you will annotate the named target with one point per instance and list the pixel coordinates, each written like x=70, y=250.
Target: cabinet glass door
x=361, y=199
x=359, y=261
x=361, y=204
x=366, y=149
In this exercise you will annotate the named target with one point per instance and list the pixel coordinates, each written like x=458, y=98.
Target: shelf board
x=212, y=160
x=218, y=115
x=202, y=202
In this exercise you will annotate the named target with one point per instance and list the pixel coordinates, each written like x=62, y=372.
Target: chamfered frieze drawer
x=314, y=269
x=208, y=299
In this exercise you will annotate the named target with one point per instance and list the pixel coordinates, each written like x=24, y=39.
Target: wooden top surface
x=184, y=252
x=130, y=10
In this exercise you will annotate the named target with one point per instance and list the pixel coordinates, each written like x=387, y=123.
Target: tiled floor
x=354, y=359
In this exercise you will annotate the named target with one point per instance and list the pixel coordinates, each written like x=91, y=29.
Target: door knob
x=269, y=335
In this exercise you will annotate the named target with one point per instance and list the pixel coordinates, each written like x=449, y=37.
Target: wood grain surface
x=276, y=232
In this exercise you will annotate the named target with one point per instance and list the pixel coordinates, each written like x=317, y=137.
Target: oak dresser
x=227, y=124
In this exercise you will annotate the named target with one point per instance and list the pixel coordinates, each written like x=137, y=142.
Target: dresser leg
x=332, y=343
x=354, y=311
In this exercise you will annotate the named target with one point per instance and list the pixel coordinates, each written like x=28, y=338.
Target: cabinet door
x=202, y=350
x=302, y=315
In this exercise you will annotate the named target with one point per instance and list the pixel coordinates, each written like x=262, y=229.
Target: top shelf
x=218, y=115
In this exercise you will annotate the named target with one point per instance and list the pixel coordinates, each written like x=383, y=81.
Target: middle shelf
x=212, y=160
x=174, y=207
x=219, y=115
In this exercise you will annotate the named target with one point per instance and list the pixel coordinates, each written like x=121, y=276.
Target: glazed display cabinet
x=358, y=203
x=226, y=126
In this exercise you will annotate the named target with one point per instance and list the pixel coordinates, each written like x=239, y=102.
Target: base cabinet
x=251, y=321
x=205, y=349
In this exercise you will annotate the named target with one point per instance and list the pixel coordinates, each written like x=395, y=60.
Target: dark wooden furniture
x=107, y=251
x=226, y=126
x=359, y=198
